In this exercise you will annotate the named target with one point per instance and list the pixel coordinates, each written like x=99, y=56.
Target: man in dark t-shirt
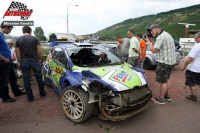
x=29, y=56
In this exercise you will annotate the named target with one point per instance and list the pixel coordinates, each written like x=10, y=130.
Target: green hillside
x=168, y=20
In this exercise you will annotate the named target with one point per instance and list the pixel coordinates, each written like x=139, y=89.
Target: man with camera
x=165, y=56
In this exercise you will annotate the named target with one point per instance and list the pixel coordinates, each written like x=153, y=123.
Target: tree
x=40, y=34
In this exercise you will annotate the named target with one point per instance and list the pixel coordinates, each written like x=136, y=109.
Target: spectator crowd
x=26, y=55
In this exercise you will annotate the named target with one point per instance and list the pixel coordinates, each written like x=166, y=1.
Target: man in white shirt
x=193, y=69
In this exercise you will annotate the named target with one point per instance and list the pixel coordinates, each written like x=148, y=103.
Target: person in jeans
x=165, y=56
x=192, y=73
x=6, y=68
x=29, y=55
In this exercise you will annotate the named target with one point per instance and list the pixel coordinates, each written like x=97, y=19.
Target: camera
x=148, y=34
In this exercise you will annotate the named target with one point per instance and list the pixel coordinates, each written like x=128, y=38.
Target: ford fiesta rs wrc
x=90, y=84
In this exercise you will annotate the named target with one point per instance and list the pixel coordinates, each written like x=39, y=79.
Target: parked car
x=150, y=60
x=109, y=47
x=113, y=90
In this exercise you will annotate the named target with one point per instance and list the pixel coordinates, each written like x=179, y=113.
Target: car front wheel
x=75, y=104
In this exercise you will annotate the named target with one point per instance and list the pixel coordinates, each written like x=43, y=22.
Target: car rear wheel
x=75, y=104
x=147, y=64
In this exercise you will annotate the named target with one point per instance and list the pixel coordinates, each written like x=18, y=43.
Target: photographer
x=165, y=56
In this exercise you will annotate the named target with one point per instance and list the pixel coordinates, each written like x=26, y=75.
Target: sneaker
x=167, y=98
x=191, y=97
x=159, y=100
x=9, y=100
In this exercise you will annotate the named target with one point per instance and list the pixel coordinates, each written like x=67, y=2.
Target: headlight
x=99, y=88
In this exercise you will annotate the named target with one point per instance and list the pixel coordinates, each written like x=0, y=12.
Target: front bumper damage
x=125, y=105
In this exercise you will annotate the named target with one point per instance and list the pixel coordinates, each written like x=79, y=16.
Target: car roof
x=70, y=44
x=107, y=45
x=83, y=44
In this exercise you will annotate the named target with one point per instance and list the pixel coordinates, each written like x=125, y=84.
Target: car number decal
x=58, y=70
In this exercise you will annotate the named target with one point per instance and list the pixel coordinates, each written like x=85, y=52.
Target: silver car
x=150, y=60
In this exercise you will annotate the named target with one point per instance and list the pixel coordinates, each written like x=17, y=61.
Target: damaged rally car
x=88, y=84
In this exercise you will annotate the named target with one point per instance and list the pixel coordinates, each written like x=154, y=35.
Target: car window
x=58, y=55
x=91, y=56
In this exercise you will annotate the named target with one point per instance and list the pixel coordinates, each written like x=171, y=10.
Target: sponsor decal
x=58, y=70
x=121, y=76
x=129, y=79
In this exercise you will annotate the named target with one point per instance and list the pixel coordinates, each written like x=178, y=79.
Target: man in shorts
x=165, y=56
x=192, y=73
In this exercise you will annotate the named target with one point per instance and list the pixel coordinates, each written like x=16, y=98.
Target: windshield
x=89, y=57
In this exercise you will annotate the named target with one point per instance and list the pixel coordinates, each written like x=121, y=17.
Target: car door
x=58, y=64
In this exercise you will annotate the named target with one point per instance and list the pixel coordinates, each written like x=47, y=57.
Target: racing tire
x=74, y=102
x=147, y=64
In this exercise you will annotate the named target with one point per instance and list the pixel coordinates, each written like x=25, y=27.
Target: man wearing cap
x=6, y=67
x=165, y=56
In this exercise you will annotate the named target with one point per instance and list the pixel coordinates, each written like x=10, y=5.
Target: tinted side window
x=59, y=56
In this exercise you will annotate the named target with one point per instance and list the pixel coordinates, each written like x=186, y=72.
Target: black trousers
x=7, y=74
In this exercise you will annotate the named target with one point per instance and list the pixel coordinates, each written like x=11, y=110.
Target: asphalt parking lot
x=45, y=114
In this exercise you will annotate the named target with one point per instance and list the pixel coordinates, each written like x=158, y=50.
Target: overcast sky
x=90, y=16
